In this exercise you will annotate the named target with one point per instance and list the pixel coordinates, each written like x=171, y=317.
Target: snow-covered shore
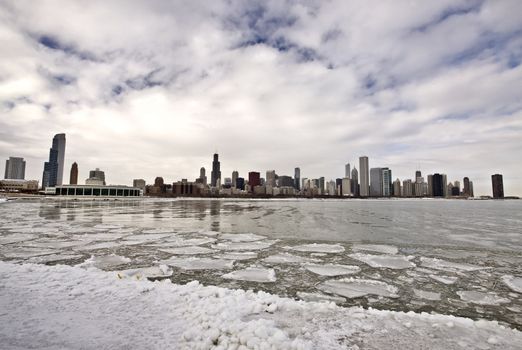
x=56, y=307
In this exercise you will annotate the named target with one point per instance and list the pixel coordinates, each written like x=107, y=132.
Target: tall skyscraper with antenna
x=216, y=170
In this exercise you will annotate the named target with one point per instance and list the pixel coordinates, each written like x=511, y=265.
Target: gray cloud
x=148, y=88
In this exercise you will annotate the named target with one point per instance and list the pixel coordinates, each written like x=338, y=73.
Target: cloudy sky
x=154, y=88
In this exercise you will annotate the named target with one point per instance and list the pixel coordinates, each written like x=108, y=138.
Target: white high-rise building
x=364, y=174
x=347, y=170
x=346, y=187
x=15, y=168
x=270, y=178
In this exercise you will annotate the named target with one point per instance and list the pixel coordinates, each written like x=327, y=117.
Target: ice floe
x=146, y=272
x=143, y=238
x=257, y=245
x=191, y=250
x=444, y=279
x=481, y=298
x=101, y=245
x=319, y=297
x=183, y=242
x=514, y=283
x=332, y=269
x=105, y=262
x=44, y=259
x=25, y=252
x=237, y=255
x=443, y=265
x=16, y=237
x=196, y=263
x=354, y=288
x=424, y=294
x=241, y=237
x=378, y=248
x=252, y=274
x=318, y=247
x=396, y=262
x=285, y=258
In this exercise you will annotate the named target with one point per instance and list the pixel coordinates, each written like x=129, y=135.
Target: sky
x=154, y=88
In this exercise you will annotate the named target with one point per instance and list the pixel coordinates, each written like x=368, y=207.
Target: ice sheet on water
x=355, y=288
x=95, y=246
x=241, y=237
x=257, y=245
x=318, y=247
x=157, y=231
x=513, y=282
x=319, y=297
x=443, y=265
x=15, y=238
x=444, y=279
x=53, y=258
x=195, y=263
x=54, y=244
x=332, y=269
x=237, y=256
x=104, y=262
x=191, y=250
x=395, y=262
x=378, y=248
x=100, y=236
x=424, y=294
x=24, y=252
x=143, y=238
x=286, y=258
x=252, y=274
x=481, y=298
x=146, y=272
x=183, y=242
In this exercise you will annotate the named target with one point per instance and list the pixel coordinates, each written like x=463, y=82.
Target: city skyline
x=275, y=86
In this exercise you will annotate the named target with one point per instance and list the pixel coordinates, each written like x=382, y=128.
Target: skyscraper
x=498, y=186
x=321, y=185
x=355, y=182
x=53, y=169
x=235, y=175
x=96, y=177
x=387, y=184
x=438, y=184
x=15, y=168
x=271, y=178
x=216, y=171
x=375, y=182
x=202, y=176
x=397, y=188
x=73, y=179
x=364, y=176
x=347, y=170
x=254, y=179
x=297, y=178
x=466, y=191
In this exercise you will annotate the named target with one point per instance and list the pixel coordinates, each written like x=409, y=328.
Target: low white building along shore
x=94, y=191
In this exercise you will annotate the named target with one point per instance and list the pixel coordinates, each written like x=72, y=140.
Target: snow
x=481, y=298
x=444, y=279
x=24, y=253
x=241, y=237
x=443, y=265
x=192, y=250
x=424, y=294
x=355, y=288
x=378, y=248
x=396, y=262
x=194, y=263
x=252, y=274
x=514, y=283
x=44, y=259
x=318, y=248
x=88, y=308
x=319, y=297
x=105, y=262
x=146, y=272
x=257, y=245
x=285, y=258
x=332, y=269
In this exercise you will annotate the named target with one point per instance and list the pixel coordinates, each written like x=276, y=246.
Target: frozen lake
x=452, y=257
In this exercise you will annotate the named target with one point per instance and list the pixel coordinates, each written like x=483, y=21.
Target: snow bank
x=56, y=307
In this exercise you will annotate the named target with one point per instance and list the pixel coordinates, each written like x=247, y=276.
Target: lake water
x=453, y=257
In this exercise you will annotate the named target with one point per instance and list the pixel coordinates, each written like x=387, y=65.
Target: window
x=120, y=192
x=112, y=192
x=79, y=191
x=105, y=192
x=125, y=193
x=70, y=191
x=95, y=191
x=88, y=191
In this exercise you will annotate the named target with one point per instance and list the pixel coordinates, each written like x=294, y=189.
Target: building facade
x=387, y=184
x=375, y=182
x=15, y=168
x=497, y=183
x=53, y=169
x=254, y=179
x=297, y=179
x=73, y=178
x=97, y=191
x=17, y=185
x=216, y=171
x=364, y=188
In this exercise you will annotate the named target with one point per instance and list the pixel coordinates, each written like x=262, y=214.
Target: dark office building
x=467, y=190
x=254, y=179
x=53, y=169
x=498, y=186
x=73, y=180
x=297, y=178
x=339, y=185
x=438, y=185
x=455, y=191
x=285, y=181
x=240, y=183
x=216, y=170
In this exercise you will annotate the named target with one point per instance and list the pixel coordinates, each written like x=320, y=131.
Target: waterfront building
x=438, y=186
x=420, y=188
x=387, y=184
x=19, y=185
x=430, y=186
x=185, y=188
x=364, y=177
x=332, y=190
x=254, y=179
x=407, y=188
x=228, y=182
x=235, y=175
x=397, y=188
x=321, y=185
x=259, y=190
x=346, y=187
x=96, y=177
x=347, y=172
x=471, y=189
x=497, y=183
x=97, y=191
x=202, y=176
x=15, y=168
x=466, y=191
x=216, y=171
x=339, y=186
x=375, y=182
x=73, y=178
x=285, y=181
x=445, y=185
x=355, y=182
x=271, y=178
x=240, y=183
x=457, y=184
x=139, y=183
x=53, y=168
x=297, y=178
